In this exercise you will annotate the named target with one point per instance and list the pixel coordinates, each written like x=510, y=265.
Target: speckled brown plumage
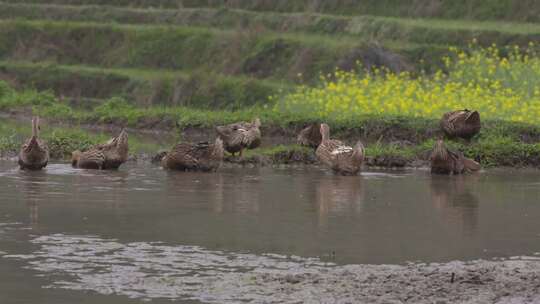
x=239, y=136
x=201, y=156
x=342, y=159
x=445, y=161
x=109, y=155
x=310, y=136
x=463, y=123
x=34, y=153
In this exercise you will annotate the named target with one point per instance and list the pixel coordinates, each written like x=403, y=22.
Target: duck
x=34, y=154
x=462, y=123
x=107, y=156
x=342, y=159
x=445, y=161
x=310, y=136
x=201, y=156
x=241, y=135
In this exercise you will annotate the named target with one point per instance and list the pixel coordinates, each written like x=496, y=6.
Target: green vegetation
x=86, y=84
x=62, y=140
x=500, y=87
x=209, y=54
x=196, y=64
x=394, y=139
x=384, y=29
x=525, y=10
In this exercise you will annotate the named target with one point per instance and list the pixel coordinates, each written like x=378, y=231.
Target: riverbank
x=391, y=142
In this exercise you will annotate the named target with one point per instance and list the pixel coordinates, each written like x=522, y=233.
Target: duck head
x=325, y=132
x=439, y=150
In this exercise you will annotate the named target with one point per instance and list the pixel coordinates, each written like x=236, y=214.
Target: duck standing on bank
x=34, y=154
x=106, y=156
x=342, y=159
x=239, y=136
x=463, y=124
x=201, y=156
x=310, y=136
x=445, y=161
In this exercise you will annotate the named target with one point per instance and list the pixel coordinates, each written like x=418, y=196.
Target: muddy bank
x=107, y=266
x=514, y=281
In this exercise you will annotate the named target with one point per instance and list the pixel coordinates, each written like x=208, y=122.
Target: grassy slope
x=525, y=10
x=251, y=52
x=141, y=87
x=124, y=57
x=206, y=48
x=432, y=31
x=204, y=59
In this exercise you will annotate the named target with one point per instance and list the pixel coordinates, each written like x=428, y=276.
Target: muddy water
x=142, y=233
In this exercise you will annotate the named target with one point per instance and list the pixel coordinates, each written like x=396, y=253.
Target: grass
x=255, y=53
x=86, y=84
x=310, y=25
x=526, y=10
x=63, y=140
x=192, y=67
x=500, y=143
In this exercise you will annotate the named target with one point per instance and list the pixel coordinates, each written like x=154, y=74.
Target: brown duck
x=239, y=136
x=339, y=157
x=445, y=161
x=106, y=156
x=310, y=136
x=34, y=154
x=463, y=123
x=201, y=156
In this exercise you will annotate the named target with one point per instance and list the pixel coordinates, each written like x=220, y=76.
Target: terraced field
x=228, y=54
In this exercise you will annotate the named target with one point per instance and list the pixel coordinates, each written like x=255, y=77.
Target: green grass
x=500, y=143
x=142, y=87
x=526, y=10
x=62, y=140
x=311, y=26
x=249, y=52
x=383, y=29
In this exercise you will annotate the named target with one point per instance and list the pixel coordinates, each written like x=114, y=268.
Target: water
x=143, y=233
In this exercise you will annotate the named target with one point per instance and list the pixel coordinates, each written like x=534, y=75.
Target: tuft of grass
x=62, y=142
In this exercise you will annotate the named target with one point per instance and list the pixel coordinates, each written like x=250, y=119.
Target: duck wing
x=91, y=159
x=330, y=151
x=185, y=154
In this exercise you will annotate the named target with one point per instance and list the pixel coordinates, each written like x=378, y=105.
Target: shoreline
x=391, y=142
x=232, y=163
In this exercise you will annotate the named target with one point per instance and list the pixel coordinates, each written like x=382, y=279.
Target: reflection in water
x=338, y=196
x=454, y=198
x=243, y=194
x=378, y=217
x=34, y=185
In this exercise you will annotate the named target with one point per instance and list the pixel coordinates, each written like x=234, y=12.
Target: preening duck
x=239, y=136
x=109, y=155
x=463, y=123
x=310, y=136
x=445, y=161
x=202, y=156
x=339, y=157
x=34, y=154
